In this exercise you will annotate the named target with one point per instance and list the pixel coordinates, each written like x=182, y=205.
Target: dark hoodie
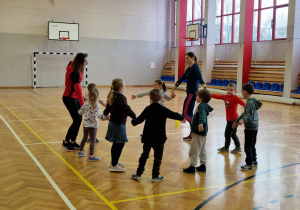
x=200, y=117
x=250, y=116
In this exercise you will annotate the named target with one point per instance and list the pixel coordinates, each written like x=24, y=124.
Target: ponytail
x=93, y=96
x=115, y=86
x=160, y=82
x=192, y=55
x=110, y=96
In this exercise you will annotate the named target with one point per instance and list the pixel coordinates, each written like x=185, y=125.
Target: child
x=160, y=85
x=116, y=133
x=90, y=87
x=231, y=102
x=199, y=129
x=154, y=134
x=250, y=120
x=91, y=110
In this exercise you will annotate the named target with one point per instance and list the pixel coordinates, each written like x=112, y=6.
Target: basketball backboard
x=58, y=30
x=193, y=31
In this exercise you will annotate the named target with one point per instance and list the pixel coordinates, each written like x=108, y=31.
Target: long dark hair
x=192, y=55
x=78, y=62
x=160, y=82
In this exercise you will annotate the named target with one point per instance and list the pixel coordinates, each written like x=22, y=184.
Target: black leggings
x=73, y=106
x=116, y=150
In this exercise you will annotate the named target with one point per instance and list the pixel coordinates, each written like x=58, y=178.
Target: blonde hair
x=93, y=94
x=115, y=86
x=91, y=86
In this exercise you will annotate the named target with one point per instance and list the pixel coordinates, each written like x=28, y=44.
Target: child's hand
x=184, y=120
x=241, y=122
x=108, y=117
x=234, y=125
x=133, y=97
x=85, y=97
x=173, y=95
x=200, y=128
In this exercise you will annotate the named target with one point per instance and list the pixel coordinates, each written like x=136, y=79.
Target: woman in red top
x=73, y=98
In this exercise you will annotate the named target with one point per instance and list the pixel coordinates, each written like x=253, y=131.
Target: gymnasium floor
x=56, y=179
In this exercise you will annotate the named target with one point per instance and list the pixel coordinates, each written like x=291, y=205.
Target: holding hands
x=173, y=95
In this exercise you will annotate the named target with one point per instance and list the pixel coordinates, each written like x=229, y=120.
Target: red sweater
x=231, y=104
x=72, y=84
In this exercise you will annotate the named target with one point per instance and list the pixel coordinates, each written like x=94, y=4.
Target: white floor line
x=32, y=107
x=58, y=190
x=58, y=118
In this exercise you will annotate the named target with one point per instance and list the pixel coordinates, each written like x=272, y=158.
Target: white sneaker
x=117, y=168
x=119, y=164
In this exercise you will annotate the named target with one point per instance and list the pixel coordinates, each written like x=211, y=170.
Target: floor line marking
x=54, y=185
x=202, y=188
x=238, y=182
x=66, y=162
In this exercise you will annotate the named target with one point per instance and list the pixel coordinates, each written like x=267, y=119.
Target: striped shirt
x=164, y=96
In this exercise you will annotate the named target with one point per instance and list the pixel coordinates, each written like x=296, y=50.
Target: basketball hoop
x=64, y=38
x=189, y=38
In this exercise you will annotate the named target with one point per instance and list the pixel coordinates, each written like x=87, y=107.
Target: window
x=227, y=21
x=270, y=19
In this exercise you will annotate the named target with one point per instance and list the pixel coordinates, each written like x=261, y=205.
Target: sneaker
x=89, y=140
x=117, y=168
x=254, y=163
x=81, y=154
x=119, y=164
x=246, y=168
x=69, y=147
x=136, y=177
x=201, y=168
x=64, y=145
x=158, y=179
x=236, y=150
x=76, y=146
x=223, y=149
x=188, y=138
x=94, y=158
x=189, y=170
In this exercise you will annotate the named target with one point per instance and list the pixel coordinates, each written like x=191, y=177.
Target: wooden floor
x=39, y=121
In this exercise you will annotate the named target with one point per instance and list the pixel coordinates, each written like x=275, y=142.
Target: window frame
x=259, y=10
x=221, y=16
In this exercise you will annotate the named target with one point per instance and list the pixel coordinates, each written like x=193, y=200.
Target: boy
x=231, y=102
x=199, y=129
x=250, y=120
x=154, y=134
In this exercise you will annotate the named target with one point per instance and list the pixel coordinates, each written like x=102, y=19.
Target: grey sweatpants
x=197, y=149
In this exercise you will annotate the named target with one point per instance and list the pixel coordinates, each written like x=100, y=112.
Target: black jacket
x=155, y=125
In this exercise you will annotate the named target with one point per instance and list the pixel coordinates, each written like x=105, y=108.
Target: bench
x=267, y=79
x=224, y=72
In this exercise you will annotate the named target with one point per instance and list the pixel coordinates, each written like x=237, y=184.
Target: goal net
x=49, y=69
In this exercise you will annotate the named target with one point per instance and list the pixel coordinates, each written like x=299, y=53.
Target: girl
x=158, y=84
x=91, y=110
x=73, y=98
x=90, y=87
x=116, y=133
x=194, y=77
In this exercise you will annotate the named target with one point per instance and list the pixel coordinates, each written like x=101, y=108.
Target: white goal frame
x=34, y=61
